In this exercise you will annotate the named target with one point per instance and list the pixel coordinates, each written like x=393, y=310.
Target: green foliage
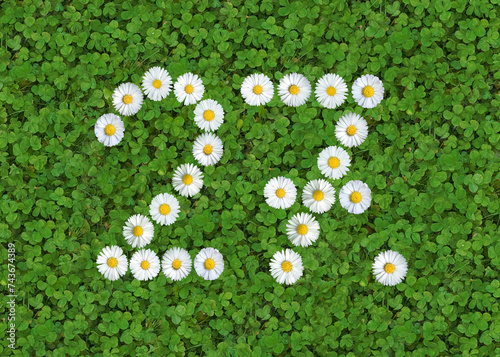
x=431, y=159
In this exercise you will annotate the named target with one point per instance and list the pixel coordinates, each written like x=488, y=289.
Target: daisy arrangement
x=189, y=88
x=109, y=129
x=209, y=263
x=176, y=263
x=144, y=264
x=138, y=231
x=112, y=263
x=188, y=180
x=208, y=149
x=280, y=192
x=157, y=83
x=127, y=99
x=164, y=209
x=286, y=267
x=208, y=115
x=355, y=197
x=294, y=89
x=318, y=196
x=331, y=91
x=334, y=162
x=302, y=229
x=257, y=89
x=390, y=268
x=368, y=91
x=351, y=130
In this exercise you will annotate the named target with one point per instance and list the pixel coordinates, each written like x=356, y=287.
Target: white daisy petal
x=189, y=88
x=112, y=263
x=188, y=180
x=318, y=196
x=368, y=91
x=127, y=99
x=334, y=162
x=286, y=267
x=109, y=129
x=144, y=264
x=351, y=130
x=138, y=231
x=389, y=268
x=257, y=89
x=294, y=89
x=331, y=91
x=302, y=229
x=208, y=115
x=355, y=197
x=280, y=192
x=164, y=209
x=176, y=263
x=209, y=263
x=157, y=83
x=208, y=149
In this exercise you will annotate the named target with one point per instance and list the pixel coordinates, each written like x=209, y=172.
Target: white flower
x=280, y=192
x=318, y=196
x=333, y=162
x=302, y=229
x=368, y=91
x=157, y=83
x=331, y=90
x=176, y=263
x=112, y=263
x=209, y=263
x=138, y=231
x=189, y=88
x=109, y=129
x=208, y=115
x=286, y=267
x=164, y=209
x=257, y=89
x=294, y=89
x=208, y=149
x=355, y=197
x=351, y=130
x=188, y=180
x=390, y=268
x=144, y=264
x=127, y=99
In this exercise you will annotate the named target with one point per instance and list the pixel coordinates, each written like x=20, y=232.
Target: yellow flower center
x=176, y=264
x=351, y=130
x=368, y=91
x=157, y=83
x=109, y=130
x=138, y=231
x=209, y=264
x=164, y=209
x=208, y=149
x=286, y=266
x=127, y=99
x=189, y=89
x=145, y=265
x=187, y=179
x=302, y=229
x=257, y=89
x=355, y=197
x=112, y=262
x=293, y=89
x=389, y=268
x=331, y=91
x=318, y=195
x=280, y=192
x=333, y=162
x=209, y=115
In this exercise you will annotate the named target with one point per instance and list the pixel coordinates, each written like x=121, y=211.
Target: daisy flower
x=302, y=229
x=286, y=266
x=208, y=115
x=109, y=129
x=164, y=209
x=144, y=264
x=112, y=263
x=209, y=263
x=390, y=268
x=138, y=231
x=318, y=196
x=189, y=88
x=294, y=89
x=331, y=90
x=280, y=192
x=351, y=130
x=257, y=89
x=157, y=83
x=176, y=263
x=188, y=180
x=208, y=149
x=355, y=197
x=127, y=99
x=333, y=162
x=368, y=91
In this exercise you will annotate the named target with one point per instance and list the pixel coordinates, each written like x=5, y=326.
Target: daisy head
x=144, y=264
x=109, y=129
x=318, y=196
x=257, y=89
x=208, y=115
x=368, y=91
x=209, y=263
x=176, y=263
x=138, y=231
x=286, y=267
x=294, y=89
x=112, y=263
x=355, y=197
x=390, y=268
x=189, y=88
x=164, y=209
x=331, y=90
x=351, y=130
x=208, y=149
x=334, y=162
x=157, y=83
x=188, y=180
x=127, y=99
x=280, y=192
x=302, y=229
